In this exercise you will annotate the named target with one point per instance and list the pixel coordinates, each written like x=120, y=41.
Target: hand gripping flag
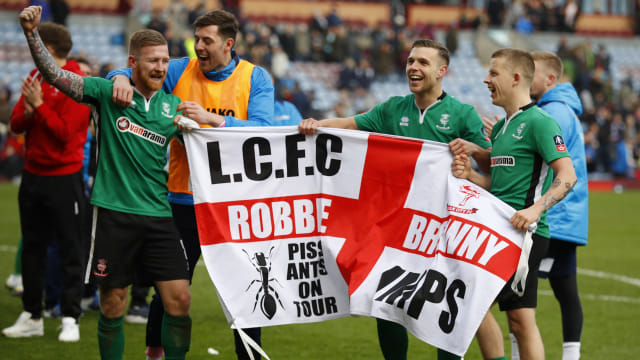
x=298, y=229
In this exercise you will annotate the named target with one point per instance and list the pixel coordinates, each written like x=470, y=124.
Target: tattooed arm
x=69, y=83
x=563, y=183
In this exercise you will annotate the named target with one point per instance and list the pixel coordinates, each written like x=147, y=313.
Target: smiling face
x=214, y=52
x=149, y=68
x=499, y=81
x=424, y=70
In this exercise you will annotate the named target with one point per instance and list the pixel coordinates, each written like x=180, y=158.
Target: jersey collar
x=147, y=102
x=522, y=109
x=424, y=112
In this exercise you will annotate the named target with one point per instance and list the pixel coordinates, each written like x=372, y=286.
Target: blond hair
x=145, y=37
x=550, y=60
x=518, y=61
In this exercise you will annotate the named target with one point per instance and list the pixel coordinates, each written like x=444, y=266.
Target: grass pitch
x=609, y=283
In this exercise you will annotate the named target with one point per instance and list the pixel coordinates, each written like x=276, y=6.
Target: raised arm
x=69, y=83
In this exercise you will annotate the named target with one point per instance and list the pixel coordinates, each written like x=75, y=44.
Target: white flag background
x=298, y=229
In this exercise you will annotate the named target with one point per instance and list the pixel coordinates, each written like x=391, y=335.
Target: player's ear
x=131, y=61
x=442, y=70
x=228, y=44
x=551, y=79
x=517, y=78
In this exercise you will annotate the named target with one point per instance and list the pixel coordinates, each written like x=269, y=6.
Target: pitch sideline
x=605, y=275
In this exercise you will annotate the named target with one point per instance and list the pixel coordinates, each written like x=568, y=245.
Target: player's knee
x=521, y=321
x=113, y=301
x=178, y=303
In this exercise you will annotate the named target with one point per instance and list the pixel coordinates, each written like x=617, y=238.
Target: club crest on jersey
x=125, y=125
x=444, y=122
x=519, y=131
x=404, y=121
x=557, y=139
x=166, y=110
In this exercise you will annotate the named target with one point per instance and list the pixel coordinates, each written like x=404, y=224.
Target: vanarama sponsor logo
x=125, y=125
x=503, y=161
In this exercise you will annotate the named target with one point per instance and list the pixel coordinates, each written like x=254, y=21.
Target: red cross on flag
x=298, y=229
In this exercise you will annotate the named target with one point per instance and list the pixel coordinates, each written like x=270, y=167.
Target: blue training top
x=569, y=219
x=285, y=113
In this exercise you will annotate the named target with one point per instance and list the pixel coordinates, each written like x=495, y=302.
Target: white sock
x=571, y=350
x=515, y=354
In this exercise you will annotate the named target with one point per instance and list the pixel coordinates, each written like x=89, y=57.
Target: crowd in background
x=364, y=54
x=610, y=118
x=534, y=15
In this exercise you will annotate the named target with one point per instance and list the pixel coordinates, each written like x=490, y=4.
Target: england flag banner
x=298, y=229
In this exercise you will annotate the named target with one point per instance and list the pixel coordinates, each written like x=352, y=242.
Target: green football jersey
x=443, y=121
x=523, y=146
x=132, y=147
